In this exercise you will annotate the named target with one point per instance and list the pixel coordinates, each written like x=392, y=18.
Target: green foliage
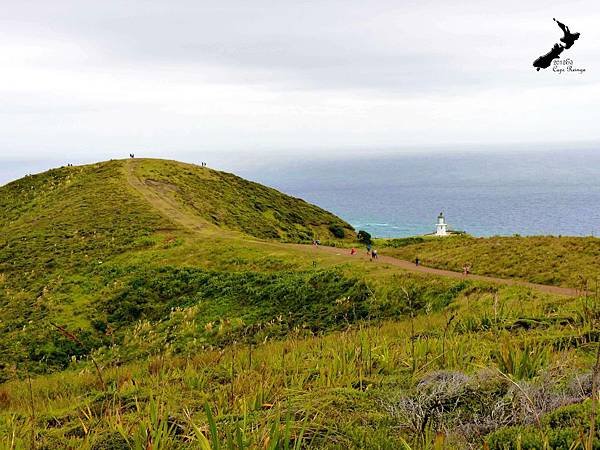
x=401, y=242
x=521, y=362
x=513, y=438
x=315, y=301
x=289, y=346
x=231, y=202
x=110, y=441
x=561, y=261
x=405, y=295
x=571, y=416
x=66, y=218
x=337, y=230
x=53, y=351
x=528, y=438
x=363, y=237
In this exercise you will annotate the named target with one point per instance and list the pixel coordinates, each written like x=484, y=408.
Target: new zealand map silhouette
x=568, y=39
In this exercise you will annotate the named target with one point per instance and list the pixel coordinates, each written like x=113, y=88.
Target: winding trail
x=160, y=197
x=410, y=266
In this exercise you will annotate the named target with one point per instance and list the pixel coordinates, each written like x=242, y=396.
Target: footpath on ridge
x=410, y=266
x=158, y=197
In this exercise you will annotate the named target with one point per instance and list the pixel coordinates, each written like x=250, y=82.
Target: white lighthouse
x=441, y=226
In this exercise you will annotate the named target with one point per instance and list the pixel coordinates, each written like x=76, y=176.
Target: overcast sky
x=252, y=80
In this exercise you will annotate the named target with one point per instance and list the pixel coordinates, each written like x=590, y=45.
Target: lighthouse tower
x=441, y=226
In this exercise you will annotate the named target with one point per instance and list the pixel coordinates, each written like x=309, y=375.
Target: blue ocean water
x=484, y=194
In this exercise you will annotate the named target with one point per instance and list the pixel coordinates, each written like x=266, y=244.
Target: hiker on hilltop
x=417, y=261
x=373, y=254
x=368, y=249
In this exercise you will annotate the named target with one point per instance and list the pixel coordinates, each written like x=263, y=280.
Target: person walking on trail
x=368, y=249
x=417, y=261
x=373, y=254
x=353, y=251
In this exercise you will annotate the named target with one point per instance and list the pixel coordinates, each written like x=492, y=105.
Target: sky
x=250, y=82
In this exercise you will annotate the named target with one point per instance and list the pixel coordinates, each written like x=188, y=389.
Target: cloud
x=96, y=79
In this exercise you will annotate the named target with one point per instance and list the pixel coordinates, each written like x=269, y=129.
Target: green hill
x=70, y=215
x=74, y=237
x=228, y=201
x=155, y=304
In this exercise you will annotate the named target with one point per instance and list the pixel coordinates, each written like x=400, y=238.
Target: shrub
x=515, y=438
x=110, y=441
x=521, y=363
x=526, y=438
x=363, y=237
x=321, y=300
x=570, y=416
x=337, y=230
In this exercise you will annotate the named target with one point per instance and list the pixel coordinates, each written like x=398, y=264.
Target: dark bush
x=509, y=438
x=318, y=301
x=110, y=441
x=51, y=350
x=337, y=230
x=363, y=237
x=570, y=416
x=528, y=438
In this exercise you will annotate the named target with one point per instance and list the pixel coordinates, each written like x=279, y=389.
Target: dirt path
x=410, y=266
x=160, y=197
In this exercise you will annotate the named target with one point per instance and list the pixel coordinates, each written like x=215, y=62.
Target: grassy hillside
x=231, y=202
x=69, y=217
x=560, y=261
x=61, y=229
x=153, y=304
x=477, y=363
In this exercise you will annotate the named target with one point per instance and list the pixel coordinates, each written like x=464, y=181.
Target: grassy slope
x=60, y=229
x=263, y=333
x=56, y=227
x=342, y=389
x=560, y=261
x=70, y=216
x=229, y=201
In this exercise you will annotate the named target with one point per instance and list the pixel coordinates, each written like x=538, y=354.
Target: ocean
x=484, y=194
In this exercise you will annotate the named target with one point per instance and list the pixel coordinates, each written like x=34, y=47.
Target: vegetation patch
x=553, y=260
